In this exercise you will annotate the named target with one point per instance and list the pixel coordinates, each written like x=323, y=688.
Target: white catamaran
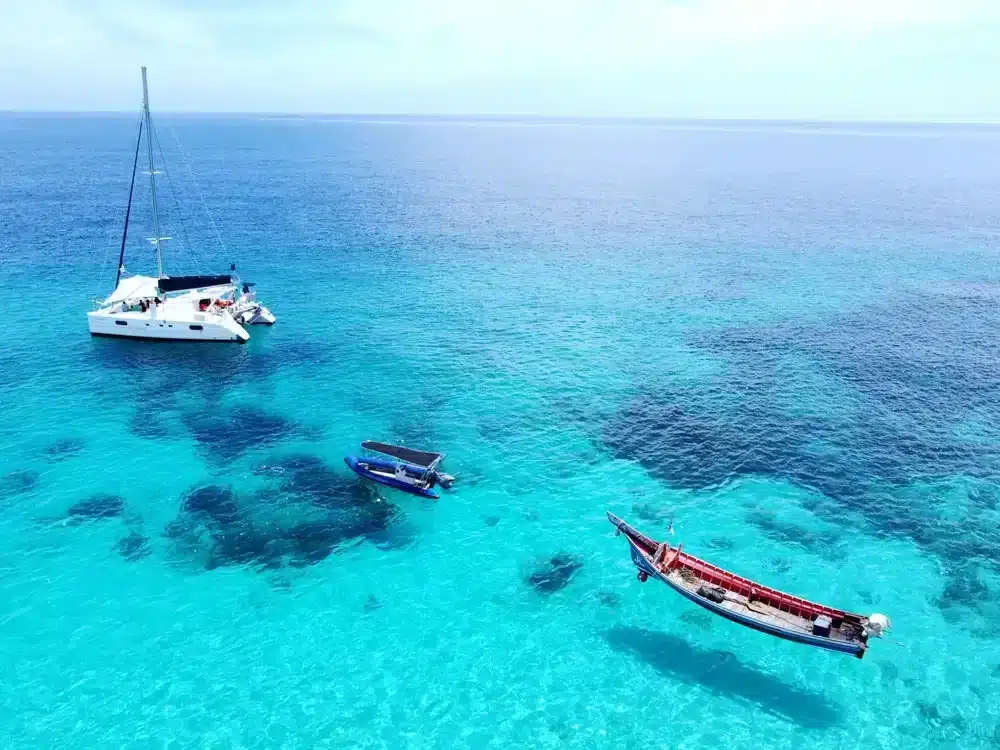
x=179, y=308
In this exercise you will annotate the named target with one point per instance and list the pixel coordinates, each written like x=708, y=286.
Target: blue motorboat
x=417, y=480
x=406, y=469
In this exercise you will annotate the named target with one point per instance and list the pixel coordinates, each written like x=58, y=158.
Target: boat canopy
x=133, y=288
x=181, y=283
x=426, y=459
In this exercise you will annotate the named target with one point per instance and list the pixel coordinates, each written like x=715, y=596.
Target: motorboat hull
x=788, y=634
x=381, y=471
x=427, y=461
x=745, y=602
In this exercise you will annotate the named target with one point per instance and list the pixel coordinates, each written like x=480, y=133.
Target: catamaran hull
x=222, y=330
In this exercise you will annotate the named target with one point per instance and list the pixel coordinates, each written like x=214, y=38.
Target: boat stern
x=263, y=317
x=239, y=332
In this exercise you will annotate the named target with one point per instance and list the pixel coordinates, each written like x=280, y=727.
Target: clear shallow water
x=781, y=338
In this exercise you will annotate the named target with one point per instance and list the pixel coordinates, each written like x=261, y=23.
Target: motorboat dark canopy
x=180, y=283
x=426, y=459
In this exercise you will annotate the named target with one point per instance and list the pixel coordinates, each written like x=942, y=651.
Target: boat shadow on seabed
x=722, y=673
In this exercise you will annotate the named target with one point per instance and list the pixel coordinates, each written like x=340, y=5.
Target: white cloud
x=560, y=55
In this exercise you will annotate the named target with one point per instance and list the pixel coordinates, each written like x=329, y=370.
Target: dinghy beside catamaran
x=177, y=308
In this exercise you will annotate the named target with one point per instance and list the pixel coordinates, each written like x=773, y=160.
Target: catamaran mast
x=128, y=209
x=152, y=177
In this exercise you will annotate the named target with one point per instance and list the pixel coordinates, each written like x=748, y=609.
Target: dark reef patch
x=964, y=589
x=133, y=547
x=179, y=528
x=792, y=535
x=326, y=488
x=313, y=514
x=63, y=448
x=908, y=376
x=97, y=507
x=675, y=446
x=18, y=482
x=145, y=425
x=168, y=369
x=226, y=436
x=935, y=718
x=245, y=545
x=217, y=506
x=722, y=673
x=554, y=574
x=313, y=541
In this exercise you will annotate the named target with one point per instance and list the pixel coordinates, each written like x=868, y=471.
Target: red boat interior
x=674, y=559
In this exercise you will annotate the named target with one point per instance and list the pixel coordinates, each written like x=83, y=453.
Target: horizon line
x=502, y=117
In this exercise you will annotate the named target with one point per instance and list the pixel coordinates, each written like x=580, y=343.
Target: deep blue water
x=780, y=337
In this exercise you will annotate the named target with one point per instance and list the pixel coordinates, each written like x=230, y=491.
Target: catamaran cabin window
x=121, y=322
x=195, y=328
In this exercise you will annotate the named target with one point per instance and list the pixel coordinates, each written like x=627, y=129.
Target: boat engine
x=877, y=625
x=445, y=480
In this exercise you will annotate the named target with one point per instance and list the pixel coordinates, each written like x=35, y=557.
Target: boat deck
x=390, y=473
x=740, y=604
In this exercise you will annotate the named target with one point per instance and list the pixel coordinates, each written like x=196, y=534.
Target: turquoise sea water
x=780, y=338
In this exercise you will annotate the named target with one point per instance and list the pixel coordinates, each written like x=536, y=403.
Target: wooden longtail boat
x=748, y=603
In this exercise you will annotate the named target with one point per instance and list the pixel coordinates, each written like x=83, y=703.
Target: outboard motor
x=878, y=625
x=445, y=480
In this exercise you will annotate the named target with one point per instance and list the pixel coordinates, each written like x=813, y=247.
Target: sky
x=919, y=60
